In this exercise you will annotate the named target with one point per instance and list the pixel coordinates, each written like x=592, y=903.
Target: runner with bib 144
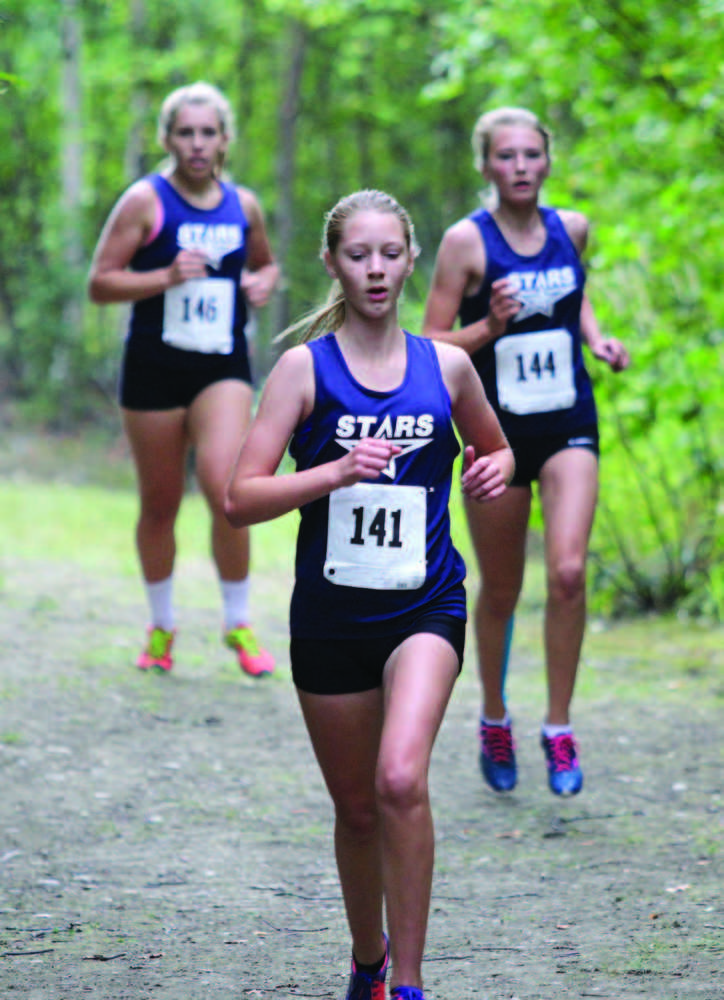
x=512, y=275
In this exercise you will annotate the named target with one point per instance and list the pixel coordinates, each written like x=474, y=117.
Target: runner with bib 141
x=378, y=610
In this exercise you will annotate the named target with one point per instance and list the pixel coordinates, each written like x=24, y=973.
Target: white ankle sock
x=505, y=721
x=160, y=603
x=235, y=595
x=551, y=731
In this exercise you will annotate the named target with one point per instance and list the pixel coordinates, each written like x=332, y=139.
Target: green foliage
x=633, y=92
x=387, y=98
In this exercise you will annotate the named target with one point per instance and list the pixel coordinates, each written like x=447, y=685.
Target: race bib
x=198, y=315
x=534, y=372
x=376, y=538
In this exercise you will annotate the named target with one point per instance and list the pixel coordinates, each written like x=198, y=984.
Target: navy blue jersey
x=372, y=556
x=534, y=374
x=201, y=317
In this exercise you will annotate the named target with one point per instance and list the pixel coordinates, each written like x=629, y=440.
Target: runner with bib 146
x=190, y=251
x=512, y=275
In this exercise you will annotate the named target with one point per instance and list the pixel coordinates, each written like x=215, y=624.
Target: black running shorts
x=532, y=453
x=349, y=666
x=149, y=384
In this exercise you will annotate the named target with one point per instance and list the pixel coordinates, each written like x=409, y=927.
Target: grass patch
x=92, y=527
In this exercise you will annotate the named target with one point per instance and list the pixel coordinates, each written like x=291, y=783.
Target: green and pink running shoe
x=253, y=660
x=157, y=654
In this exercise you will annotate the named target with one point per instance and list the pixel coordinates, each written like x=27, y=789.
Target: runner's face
x=196, y=141
x=371, y=262
x=517, y=163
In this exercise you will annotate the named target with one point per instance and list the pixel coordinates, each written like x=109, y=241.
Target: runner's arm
x=488, y=462
x=607, y=349
x=459, y=271
x=255, y=493
x=127, y=229
x=261, y=272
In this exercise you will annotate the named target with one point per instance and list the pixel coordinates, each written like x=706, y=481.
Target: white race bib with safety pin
x=198, y=315
x=535, y=372
x=376, y=538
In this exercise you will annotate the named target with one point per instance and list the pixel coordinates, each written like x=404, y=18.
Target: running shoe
x=497, y=756
x=157, y=654
x=565, y=776
x=363, y=986
x=407, y=993
x=253, y=660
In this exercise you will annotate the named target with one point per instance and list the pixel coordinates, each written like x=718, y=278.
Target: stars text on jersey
x=539, y=291
x=406, y=431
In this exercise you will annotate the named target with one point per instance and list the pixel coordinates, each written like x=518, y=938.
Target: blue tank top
x=372, y=525
x=221, y=234
x=534, y=375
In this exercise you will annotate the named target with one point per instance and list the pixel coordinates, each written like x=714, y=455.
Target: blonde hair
x=199, y=93
x=487, y=123
x=331, y=315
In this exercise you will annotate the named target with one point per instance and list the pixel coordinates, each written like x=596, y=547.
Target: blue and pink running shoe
x=565, y=776
x=366, y=986
x=407, y=993
x=497, y=757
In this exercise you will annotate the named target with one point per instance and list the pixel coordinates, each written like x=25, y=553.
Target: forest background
x=334, y=96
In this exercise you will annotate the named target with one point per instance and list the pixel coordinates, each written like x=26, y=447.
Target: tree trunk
x=71, y=140
x=135, y=159
x=294, y=50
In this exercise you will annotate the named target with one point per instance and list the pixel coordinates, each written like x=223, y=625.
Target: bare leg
x=377, y=777
x=345, y=733
x=569, y=489
x=218, y=422
x=498, y=532
x=158, y=443
x=419, y=679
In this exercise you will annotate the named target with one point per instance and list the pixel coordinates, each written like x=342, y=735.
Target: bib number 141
x=377, y=537
x=378, y=528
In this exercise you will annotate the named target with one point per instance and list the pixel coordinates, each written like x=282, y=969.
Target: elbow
x=232, y=513
x=510, y=466
x=237, y=512
x=95, y=290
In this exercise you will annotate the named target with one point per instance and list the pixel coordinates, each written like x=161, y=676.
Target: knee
x=358, y=815
x=400, y=787
x=567, y=581
x=499, y=602
x=159, y=509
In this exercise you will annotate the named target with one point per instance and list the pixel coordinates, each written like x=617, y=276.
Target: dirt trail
x=169, y=838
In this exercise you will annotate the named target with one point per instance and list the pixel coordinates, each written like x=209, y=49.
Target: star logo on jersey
x=404, y=444
x=215, y=241
x=539, y=291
